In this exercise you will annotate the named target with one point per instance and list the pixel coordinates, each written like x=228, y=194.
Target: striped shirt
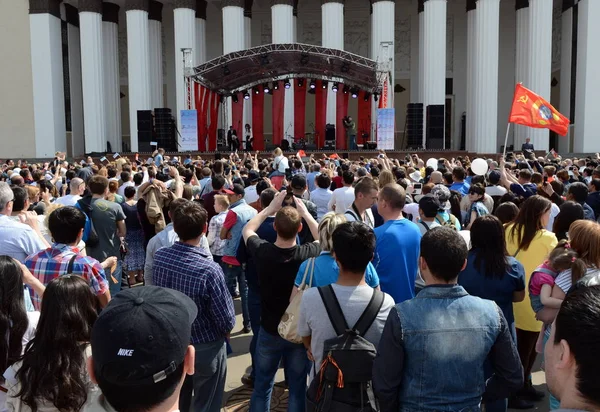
x=185, y=268
x=53, y=262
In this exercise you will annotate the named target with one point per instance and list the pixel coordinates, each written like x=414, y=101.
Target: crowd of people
x=376, y=284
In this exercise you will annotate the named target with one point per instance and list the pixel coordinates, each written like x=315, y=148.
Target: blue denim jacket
x=244, y=213
x=433, y=348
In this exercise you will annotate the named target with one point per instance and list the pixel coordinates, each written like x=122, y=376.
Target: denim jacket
x=432, y=351
x=244, y=213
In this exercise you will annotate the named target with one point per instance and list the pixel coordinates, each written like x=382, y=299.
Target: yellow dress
x=539, y=249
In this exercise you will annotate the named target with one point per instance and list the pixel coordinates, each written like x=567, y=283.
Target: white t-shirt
x=554, y=211
x=314, y=321
x=68, y=200
x=342, y=199
x=280, y=163
x=495, y=190
x=413, y=210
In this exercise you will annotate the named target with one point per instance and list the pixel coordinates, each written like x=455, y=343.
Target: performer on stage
x=350, y=127
x=527, y=148
x=249, y=138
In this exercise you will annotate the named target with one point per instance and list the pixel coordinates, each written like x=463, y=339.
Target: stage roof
x=239, y=71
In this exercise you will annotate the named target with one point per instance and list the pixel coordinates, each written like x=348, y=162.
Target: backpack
x=90, y=236
x=343, y=382
x=450, y=223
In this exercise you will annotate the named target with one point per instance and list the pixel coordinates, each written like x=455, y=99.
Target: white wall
x=17, y=135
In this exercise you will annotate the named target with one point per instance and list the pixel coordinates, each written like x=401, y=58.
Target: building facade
x=76, y=72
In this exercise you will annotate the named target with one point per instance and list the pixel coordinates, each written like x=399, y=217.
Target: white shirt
x=554, y=211
x=321, y=198
x=342, y=199
x=369, y=219
x=18, y=240
x=495, y=190
x=281, y=163
x=68, y=200
x=121, y=190
x=251, y=196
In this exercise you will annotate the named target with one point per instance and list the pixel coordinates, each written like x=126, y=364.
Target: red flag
x=334, y=156
x=301, y=153
x=531, y=110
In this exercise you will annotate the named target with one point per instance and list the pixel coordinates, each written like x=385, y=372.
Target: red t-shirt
x=230, y=220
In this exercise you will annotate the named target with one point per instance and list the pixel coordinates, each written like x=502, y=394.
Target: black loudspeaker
x=144, y=139
x=285, y=145
x=221, y=138
x=414, y=124
x=435, y=126
x=144, y=121
x=270, y=147
x=164, y=127
x=330, y=132
x=218, y=156
x=370, y=146
x=311, y=147
x=222, y=148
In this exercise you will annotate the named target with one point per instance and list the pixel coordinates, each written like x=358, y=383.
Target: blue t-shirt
x=498, y=290
x=396, y=258
x=462, y=188
x=326, y=272
x=526, y=190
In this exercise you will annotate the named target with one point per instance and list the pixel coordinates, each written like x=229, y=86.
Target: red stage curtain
x=204, y=118
x=201, y=94
x=341, y=111
x=320, y=114
x=258, y=108
x=237, y=115
x=299, y=109
x=363, y=124
x=278, y=103
x=215, y=101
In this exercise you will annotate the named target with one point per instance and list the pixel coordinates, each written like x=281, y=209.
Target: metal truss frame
x=364, y=73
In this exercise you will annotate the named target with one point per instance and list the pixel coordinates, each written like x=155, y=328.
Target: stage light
x=266, y=88
x=234, y=97
x=367, y=96
x=324, y=84
x=300, y=82
x=354, y=92
x=222, y=98
x=226, y=70
x=287, y=84
x=375, y=96
x=345, y=68
x=275, y=85
x=256, y=91
x=334, y=88
x=304, y=59
x=246, y=95
x=264, y=59
x=312, y=84
x=346, y=89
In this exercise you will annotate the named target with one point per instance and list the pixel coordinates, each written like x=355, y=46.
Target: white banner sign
x=385, y=128
x=189, y=130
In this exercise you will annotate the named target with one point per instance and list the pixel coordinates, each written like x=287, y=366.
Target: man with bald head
x=436, y=178
x=77, y=187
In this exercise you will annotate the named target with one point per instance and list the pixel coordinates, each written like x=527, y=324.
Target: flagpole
x=506, y=139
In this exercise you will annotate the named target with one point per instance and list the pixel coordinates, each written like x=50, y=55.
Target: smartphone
x=418, y=188
x=64, y=180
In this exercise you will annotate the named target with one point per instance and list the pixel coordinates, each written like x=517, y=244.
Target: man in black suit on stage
x=231, y=136
x=527, y=148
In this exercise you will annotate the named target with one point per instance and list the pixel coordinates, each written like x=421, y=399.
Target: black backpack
x=343, y=381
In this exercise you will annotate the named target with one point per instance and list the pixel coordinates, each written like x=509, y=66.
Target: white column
x=421, y=52
x=332, y=22
x=566, y=56
x=155, y=55
x=382, y=32
x=434, y=62
x=522, y=64
x=48, y=85
x=471, y=51
x=282, y=19
x=485, y=109
x=185, y=37
x=247, y=115
x=540, y=61
x=588, y=80
x=77, y=147
x=112, y=78
x=138, y=62
x=233, y=37
x=92, y=68
x=200, y=45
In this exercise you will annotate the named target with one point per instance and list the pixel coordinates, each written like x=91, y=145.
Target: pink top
x=541, y=277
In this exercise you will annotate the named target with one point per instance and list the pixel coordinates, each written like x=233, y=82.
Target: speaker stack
x=164, y=126
x=435, y=126
x=329, y=136
x=144, y=128
x=414, y=125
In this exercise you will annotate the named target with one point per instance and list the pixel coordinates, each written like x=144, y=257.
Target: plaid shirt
x=52, y=263
x=217, y=245
x=186, y=269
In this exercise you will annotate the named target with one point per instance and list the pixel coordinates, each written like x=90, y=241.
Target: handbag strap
x=306, y=269
x=312, y=272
